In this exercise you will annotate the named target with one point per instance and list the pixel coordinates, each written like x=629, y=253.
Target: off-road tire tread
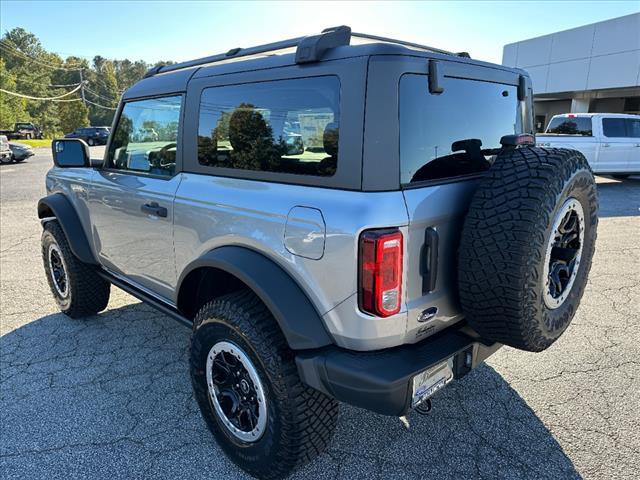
x=503, y=242
x=310, y=417
x=89, y=291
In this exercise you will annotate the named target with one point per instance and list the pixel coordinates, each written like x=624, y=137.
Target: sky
x=153, y=31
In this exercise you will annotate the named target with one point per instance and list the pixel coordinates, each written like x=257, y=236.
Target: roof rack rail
x=408, y=44
x=308, y=49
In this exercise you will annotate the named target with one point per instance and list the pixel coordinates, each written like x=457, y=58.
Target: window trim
x=351, y=73
x=106, y=167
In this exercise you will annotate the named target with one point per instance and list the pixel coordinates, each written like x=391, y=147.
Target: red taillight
x=380, y=282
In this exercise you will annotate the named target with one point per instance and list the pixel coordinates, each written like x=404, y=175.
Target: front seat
x=330, y=140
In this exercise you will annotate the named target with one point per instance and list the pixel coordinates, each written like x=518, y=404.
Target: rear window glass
x=286, y=126
x=455, y=133
x=570, y=126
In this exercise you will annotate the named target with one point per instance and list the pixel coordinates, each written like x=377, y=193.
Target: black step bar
x=140, y=294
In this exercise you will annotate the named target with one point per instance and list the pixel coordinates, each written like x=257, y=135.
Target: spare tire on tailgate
x=526, y=246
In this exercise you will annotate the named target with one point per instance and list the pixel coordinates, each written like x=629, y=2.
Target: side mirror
x=70, y=153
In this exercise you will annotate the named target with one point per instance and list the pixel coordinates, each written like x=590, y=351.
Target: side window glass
x=145, y=139
x=633, y=128
x=286, y=126
x=614, y=127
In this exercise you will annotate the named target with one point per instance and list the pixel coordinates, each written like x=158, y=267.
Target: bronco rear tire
x=78, y=290
x=527, y=245
x=246, y=383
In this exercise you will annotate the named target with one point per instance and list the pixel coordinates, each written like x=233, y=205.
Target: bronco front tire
x=527, y=245
x=247, y=386
x=78, y=290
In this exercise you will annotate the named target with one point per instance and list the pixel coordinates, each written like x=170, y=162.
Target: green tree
x=32, y=67
x=103, y=85
x=12, y=109
x=252, y=140
x=72, y=115
x=26, y=67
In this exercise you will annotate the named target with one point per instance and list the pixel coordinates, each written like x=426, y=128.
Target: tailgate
x=436, y=215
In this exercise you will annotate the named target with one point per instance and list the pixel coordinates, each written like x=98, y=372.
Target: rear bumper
x=380, y=381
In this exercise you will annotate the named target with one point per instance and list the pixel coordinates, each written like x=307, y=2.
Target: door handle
x=154, y=209
x=429, y=261
x=606, y=145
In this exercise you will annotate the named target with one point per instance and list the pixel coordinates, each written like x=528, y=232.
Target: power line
x=12, y=49
x=104, y=84
x=44, y=85
x=45, y=64
x=98, y=105
x=29, y=97
x=100, y=96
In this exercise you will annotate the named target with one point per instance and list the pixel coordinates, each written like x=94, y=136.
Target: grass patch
x=46, y=142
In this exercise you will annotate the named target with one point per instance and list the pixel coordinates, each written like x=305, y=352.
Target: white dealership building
x=594, y=68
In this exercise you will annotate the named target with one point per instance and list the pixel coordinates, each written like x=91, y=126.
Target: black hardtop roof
x=174, y=78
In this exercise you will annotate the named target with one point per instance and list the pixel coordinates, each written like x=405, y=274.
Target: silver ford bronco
x=339, y=218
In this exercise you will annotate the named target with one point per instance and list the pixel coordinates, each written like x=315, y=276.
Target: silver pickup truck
x=335, y=223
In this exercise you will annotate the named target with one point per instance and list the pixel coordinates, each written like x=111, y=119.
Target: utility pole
x=82, y=88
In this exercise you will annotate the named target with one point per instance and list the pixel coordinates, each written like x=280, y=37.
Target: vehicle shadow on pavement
x=619, y=198
x=110, y=397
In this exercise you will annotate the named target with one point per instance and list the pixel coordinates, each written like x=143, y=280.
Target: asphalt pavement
x=109, y=396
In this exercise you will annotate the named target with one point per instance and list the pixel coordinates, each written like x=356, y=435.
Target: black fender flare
x=298, y=319
x=59, y=206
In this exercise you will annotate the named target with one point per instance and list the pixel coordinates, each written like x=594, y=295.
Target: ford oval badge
x=427, y=314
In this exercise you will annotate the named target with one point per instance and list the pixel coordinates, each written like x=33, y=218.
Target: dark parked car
x=20, y=151
x=91, y=135
x=23, y=130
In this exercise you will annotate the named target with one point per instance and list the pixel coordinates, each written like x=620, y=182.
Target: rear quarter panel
x=211, y=212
